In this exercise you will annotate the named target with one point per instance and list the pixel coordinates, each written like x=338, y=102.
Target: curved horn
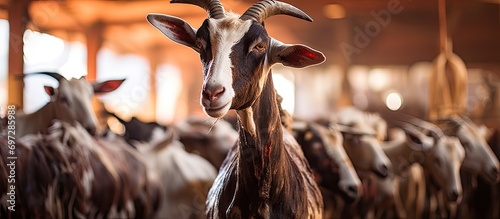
x=351, y=130
x=409, y=128
x=453, y=120
x=435, y=131
x=54, y=75
x=468, y=121
x=267, y=8
x=213, y=7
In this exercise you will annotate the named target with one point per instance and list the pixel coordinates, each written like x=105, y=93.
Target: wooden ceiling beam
x=410, y=36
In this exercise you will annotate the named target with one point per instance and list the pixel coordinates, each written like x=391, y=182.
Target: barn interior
x=374, y=50
x=383, y=56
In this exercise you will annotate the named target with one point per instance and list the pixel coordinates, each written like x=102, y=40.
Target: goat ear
x=52, y=92
x=175, y=29
x=297, y=56
x=106, y=86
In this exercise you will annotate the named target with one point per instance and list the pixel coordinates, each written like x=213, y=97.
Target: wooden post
x=94, y=43
x=153, y=58
x=18, y=16
x=342, y=33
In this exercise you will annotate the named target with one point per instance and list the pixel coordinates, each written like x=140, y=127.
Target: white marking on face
x=223, y=38
x=457, y=159
x=81, y=94
x=450, y=155
x=478, y=157
x=348, y=176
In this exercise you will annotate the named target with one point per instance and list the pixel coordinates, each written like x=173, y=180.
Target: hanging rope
x=448, y=95
x=443, y=26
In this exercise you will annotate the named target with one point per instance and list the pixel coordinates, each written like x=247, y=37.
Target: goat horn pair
x=453, y=120
x=54, y=75
x=213, y=7
x=351, y=130
x=435, y=131
x=264, y=9
x=409, y=128
x=257, y=12
x=459, y=120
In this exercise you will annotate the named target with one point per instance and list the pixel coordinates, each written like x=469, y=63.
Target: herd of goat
x=262, y=164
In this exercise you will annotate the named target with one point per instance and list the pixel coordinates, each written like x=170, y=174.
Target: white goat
x=71, y=102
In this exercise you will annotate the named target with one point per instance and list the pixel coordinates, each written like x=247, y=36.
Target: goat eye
x=415, y=139
x=259, y=47
x=64, y=100
x=200, y=44
x=437, y=161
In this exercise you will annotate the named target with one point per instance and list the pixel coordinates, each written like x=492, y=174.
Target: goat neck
x=261, y=138
x=42, y=118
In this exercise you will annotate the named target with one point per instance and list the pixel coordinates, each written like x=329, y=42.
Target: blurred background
x=380, y=54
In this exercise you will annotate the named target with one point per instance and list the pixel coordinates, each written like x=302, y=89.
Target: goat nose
x=453, y=195
x=352, y=189
x=382, y=171
x=351, y=193
x=91, y=131
x=212, y=93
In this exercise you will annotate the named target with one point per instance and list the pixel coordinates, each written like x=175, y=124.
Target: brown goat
x=266, y=174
